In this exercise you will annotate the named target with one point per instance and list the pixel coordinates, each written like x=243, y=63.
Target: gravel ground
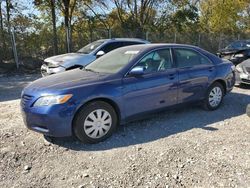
x=189, y=147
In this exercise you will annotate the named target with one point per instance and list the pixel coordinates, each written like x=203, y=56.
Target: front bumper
x=45, y=70
x=53, y=120
x=242, y=77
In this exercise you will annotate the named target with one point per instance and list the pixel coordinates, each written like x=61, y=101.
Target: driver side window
x=156, y=61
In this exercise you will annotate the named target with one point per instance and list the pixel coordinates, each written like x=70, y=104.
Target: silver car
x=85, y=55
x=243, y=72
x=248, y=110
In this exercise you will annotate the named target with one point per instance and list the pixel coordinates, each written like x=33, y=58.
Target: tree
x=2, y=38
x=52, y=6
x=67, y=8
x=136, y=15
x=220, y=16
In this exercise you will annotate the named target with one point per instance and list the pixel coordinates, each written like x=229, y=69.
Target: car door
x=156, y=88
x=194, y=70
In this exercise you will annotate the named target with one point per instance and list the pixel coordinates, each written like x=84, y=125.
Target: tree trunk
x=55, y=42
x=1, y=35
x=67, y=25
x=13, y=43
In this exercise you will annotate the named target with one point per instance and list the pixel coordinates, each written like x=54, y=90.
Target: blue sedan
x=123, y=85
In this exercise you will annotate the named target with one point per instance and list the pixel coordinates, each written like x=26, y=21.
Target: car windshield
x=112, y=62
x=90, y=47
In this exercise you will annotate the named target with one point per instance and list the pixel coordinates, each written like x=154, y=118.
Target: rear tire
x=214, y=97
x=95, y=122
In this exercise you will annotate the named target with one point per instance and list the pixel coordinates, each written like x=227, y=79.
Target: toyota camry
x=124, y=85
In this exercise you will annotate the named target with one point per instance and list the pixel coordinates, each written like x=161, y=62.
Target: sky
x=29, y=8
x=26, y=4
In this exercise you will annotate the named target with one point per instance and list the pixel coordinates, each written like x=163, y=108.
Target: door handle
x=211, y=69
x=171, y=76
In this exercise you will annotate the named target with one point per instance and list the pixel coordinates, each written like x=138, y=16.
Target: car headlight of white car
x=239, y=68
x=53, y=65
x=52, y=100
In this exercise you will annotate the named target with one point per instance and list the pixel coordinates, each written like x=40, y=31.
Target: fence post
x=13, y=41
x=199, y=40
x=147, y=33
x=109, y=33
x=220, y=41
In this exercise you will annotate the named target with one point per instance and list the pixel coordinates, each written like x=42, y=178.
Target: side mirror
x=136, y=71
x=100, y=53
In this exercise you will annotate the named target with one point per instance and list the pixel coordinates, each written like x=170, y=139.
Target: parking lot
x=182, y=148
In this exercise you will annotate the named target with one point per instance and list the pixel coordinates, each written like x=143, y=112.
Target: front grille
x=246, y=81
x=26, y=99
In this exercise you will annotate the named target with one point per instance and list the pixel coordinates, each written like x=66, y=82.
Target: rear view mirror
x=100, y=53
x=137, y=71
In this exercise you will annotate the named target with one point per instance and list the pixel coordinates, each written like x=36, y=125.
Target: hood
x=69, y=59
x=245, y=63
x=64, y=81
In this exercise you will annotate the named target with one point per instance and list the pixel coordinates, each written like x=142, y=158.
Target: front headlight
x=239, y=68
x=239, y=55
x=52, y=100
x=51, y=65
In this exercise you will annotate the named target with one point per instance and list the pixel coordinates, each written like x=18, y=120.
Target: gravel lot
x=183, y=148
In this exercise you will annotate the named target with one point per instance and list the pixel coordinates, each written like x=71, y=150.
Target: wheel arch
x=222, y=82
x=103, y=99
x=74, y=67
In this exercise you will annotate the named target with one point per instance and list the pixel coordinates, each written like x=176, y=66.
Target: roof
x=159, y=45
x=126, y=39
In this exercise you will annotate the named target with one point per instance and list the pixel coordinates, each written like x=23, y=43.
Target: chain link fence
x=34, y=48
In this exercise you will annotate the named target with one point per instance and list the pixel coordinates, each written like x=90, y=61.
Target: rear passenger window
x=131, y=43
x=111, y=46
x=189, y=58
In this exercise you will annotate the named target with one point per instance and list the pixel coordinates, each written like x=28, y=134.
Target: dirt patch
x=183, y=148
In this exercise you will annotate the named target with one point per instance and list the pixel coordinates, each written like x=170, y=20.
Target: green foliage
x=39, y=34
x=223, y=16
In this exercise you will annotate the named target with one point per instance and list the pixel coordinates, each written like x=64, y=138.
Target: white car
x=243, y=72
x=85, y=55
x=248, y=110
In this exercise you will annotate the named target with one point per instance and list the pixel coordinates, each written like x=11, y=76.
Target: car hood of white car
x=246, y=63
x=70, y=59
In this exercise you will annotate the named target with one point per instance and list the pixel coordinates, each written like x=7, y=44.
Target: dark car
x=236, y=52
x=85, y=55
x=123, y=85
x=243, y=72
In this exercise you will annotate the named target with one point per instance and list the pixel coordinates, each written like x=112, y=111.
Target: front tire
x=95, y=122
x=214, y=97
